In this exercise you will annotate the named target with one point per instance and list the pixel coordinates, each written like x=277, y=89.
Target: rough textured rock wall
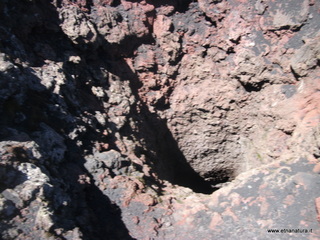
x=236, y=72
x=110, y=109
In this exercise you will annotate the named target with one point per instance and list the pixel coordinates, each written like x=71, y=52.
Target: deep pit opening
x=167, y=160
x=186, y=176
x=162, y=151
x=183, y=174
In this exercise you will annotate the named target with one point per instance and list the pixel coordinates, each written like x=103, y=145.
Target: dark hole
x=183, y=174
x=183, y=5
x=214, y=23
x=116, y=3
x=256, y=87
x=230, y=50
x=296, y=76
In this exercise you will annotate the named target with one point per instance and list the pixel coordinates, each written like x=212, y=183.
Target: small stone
x=316, y=168
x=43, y=219
x=307, y=180
x=13, y=196
x=105, y=146
x=112, y=158
x=135, y=220
x=75, y=59
x=289, y=200
x=215, y=221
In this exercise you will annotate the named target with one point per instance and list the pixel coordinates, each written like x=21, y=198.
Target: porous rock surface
x=151, y=119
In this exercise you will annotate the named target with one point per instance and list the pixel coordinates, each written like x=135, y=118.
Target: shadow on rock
x=47, y=115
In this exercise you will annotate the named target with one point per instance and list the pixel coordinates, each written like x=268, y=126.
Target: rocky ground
x=125, y=119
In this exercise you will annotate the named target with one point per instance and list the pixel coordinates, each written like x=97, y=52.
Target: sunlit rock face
x=159, y=119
